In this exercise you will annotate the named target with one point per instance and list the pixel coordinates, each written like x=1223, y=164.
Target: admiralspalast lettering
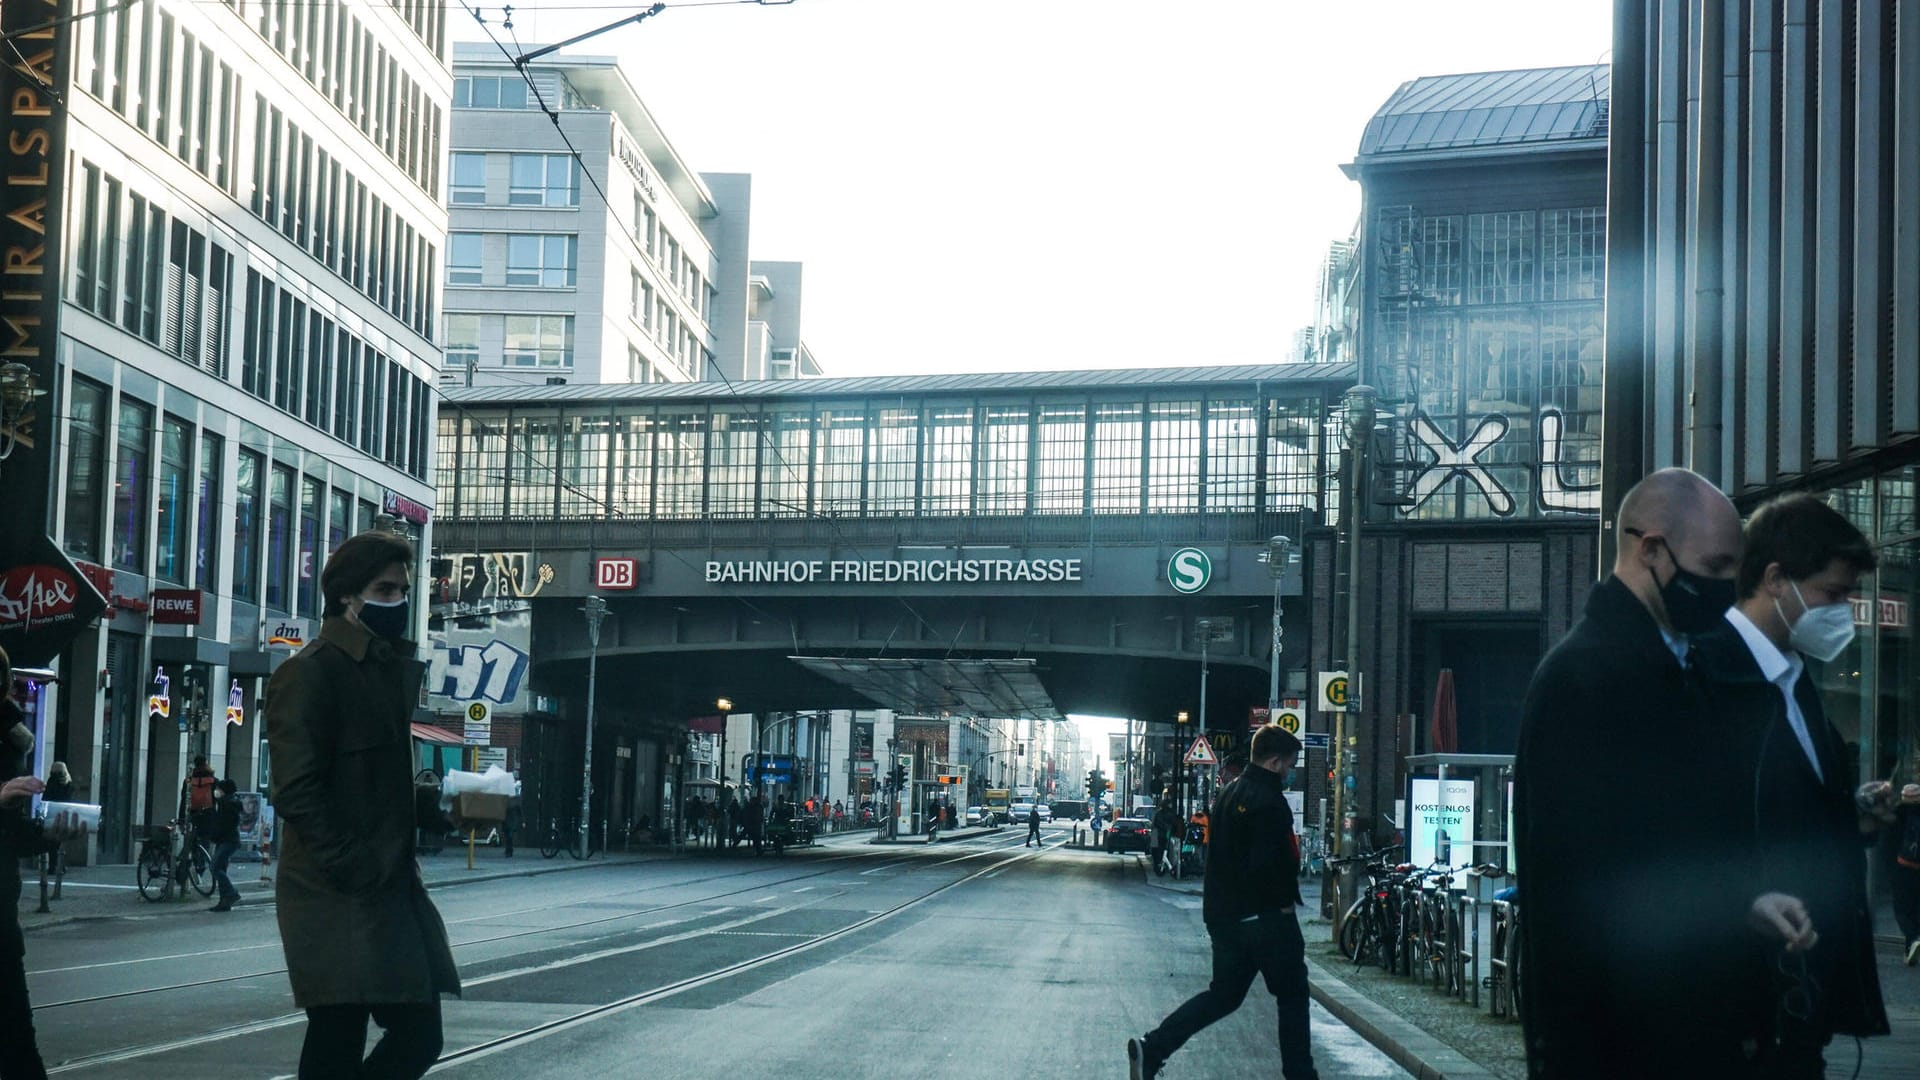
x=29, y=206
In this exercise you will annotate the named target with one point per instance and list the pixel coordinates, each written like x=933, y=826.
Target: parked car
x=1021, y=811
x=1045, y=811
x=1129, y=834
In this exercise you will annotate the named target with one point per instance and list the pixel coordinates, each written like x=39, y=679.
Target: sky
x=1049, y=184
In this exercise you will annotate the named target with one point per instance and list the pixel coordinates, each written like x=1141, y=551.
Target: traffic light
x=897, y=779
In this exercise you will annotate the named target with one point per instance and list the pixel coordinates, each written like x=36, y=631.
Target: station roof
x=1492, y=109
x=892, y=385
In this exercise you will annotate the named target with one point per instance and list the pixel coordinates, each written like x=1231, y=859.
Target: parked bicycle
x=1367, y=929
x=1504, y=978
x=563, y=834
x=172, y=856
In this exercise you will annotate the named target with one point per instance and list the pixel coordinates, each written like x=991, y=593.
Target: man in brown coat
x=362, y=940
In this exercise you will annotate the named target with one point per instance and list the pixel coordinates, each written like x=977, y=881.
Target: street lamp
x=1361, y=401
x=725, y=705
x=595, y=610
x=1278, y=556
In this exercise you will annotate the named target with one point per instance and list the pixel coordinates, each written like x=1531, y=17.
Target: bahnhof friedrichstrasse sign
x=894, y=571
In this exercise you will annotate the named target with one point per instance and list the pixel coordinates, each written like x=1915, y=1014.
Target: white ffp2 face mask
x=1822, y=633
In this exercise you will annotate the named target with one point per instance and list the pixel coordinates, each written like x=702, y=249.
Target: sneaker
x=224, y=905
x=1139, y=1065
x=1913, y=952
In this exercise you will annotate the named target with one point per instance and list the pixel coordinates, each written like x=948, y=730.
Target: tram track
x=1001, y=854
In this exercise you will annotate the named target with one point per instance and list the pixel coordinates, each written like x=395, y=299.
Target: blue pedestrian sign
x=1317, y=740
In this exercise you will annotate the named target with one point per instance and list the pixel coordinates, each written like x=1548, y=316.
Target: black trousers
x=1269, y=946
x=222, y=859
x=1906, y=901
x=337, y=1037
x=19, y=1054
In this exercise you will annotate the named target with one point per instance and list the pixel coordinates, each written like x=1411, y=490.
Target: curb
x=1410, y=1047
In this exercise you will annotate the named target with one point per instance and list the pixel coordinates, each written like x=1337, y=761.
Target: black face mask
x=1695, y=603
x=392, y=621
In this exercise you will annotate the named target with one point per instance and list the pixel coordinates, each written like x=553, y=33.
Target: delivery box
x=479, y=810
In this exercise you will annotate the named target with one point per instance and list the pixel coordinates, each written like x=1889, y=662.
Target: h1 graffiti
x=493, y=671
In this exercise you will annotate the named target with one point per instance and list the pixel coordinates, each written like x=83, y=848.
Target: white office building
x=621, y=265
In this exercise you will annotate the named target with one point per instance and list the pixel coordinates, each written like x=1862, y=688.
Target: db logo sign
x=616, y=573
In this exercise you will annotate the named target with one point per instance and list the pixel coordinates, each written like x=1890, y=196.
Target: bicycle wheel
x=1515, y=980
x=200, y=870
x=1351, y=932
x=150, y=873
x=550, y=843
x=576, y=846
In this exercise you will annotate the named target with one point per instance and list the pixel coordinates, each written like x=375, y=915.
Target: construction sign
x=1201, y=753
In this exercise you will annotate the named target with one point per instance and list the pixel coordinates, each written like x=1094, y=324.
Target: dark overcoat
x=1811, y=845
x=355, y=919
x=1635, y=864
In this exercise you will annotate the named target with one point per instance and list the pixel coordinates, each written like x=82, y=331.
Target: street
x=846, y=959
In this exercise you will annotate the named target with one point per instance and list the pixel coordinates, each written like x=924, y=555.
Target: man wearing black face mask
x=1801, y=567
x=362, y=939
x=1639, y=892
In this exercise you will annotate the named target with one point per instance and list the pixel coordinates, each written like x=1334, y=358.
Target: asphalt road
x=972, y=958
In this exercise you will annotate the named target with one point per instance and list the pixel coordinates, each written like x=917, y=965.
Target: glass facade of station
x=1218, y=452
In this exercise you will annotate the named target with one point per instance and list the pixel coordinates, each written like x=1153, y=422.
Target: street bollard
x=471, y=832
x=43, y=908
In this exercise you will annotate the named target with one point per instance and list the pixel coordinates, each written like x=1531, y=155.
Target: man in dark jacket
x=1802, y=564
x=20, y=837
x=223, y=833
x=1638, y=879
x=362, y=939
x=1252, y=886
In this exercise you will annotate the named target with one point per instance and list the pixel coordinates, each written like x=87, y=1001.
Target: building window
x=1233, y=455
x=86, y=465
x=892, y=460
x=1573, y=262
x=1173, y=473
x=539, y=341
x=1439, y=242
x=783, y=468
x=732, y=463
x=543, y=260
x=681, y=453
x=131, y=476
x=483, y=489
x=585, y=441
x=468, y=186
x=464, y=266
x=948, y=482
x=638, y=370
x=337, y=508
x=463, y=343
x=532, y=442
x=544, y=180
x=1500, y=258
x=311, y=556
x=1293, y=438
x=246, y=527
x=632, y=463
x=1002, y=482
x=489, y=92
x=172, y=494
x=1060, y=476
x=279, y=537
x=841, y=448
x=206, y=546
x=1116, y=458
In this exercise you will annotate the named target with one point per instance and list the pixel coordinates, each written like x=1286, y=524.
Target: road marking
x=805, y=888
x=766, y=900
x=624, y=950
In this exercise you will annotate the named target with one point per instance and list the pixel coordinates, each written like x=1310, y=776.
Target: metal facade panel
x=1755, y=465
x=1733, y=232
x=1797, y=194
x=1874, y=149
x=1669, y=178
x=1833, y=239
x=1905, y=391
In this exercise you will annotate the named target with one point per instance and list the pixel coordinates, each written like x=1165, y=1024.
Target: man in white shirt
x=1801, y=565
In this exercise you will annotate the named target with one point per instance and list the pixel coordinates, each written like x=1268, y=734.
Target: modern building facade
x=1477, y=318
x=1764, y=315
x=251, y=233
x=623, y=265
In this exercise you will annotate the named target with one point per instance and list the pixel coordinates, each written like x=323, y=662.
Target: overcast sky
x=1042, y=184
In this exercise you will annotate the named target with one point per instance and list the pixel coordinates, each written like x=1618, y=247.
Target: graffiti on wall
x=484, y=658
x=481, y=580
x=1441, y=460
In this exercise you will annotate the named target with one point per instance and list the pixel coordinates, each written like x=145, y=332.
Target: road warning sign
x=1201, y=753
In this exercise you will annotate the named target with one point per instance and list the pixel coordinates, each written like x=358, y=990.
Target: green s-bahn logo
x=1189, y=570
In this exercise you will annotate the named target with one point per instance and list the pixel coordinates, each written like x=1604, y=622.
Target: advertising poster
x=1442, y=823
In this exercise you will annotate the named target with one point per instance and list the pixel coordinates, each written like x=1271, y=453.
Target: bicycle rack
x=1500, y=988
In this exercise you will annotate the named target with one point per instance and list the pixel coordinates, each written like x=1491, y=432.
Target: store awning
x=438, y=736
x=997, y=688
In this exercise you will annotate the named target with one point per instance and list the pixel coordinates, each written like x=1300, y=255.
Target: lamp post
x=725, y=705
x=1361, y=400
x=1278, y=554
x=596, y=610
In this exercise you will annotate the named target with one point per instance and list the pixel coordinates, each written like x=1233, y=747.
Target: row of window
x=1510, y=257
x=657, y=318
x=512, y=92
x=545, y=260
x=312, y=368
x=138, y=62
x=666, y=252
x=371, y=87
x=515, y=341
x=158, y=277
x=926, y=459
x=532, y=180
x=317, y=202
x=181, y=486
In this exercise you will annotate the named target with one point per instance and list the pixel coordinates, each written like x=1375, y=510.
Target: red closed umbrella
x=1444, y=732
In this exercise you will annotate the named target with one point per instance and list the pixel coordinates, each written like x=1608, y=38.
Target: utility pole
x=1279, y=552
x=1361, y=400
x=596, y=610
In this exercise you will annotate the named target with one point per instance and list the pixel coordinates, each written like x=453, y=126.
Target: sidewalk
x=107, y=892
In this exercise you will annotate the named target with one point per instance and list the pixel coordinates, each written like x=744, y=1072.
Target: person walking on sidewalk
x=223, y=833
x=1802, y=564
x=1033, y=825
x=1251, y=888
x=362, y=939
x=1906, y=864
x=20, y=838
x=1636, y=966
